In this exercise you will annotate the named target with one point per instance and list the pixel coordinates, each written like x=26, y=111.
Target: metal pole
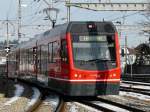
x=7, y=34
x=46, y=2
x=19, y=19
x=7, y=65
x=7, y=47
x=131, y=70
x=126, y=54
x=68, y=11
x=53, y=24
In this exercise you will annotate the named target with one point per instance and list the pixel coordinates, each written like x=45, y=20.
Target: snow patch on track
x=111, y=107
x=35, y=97
x=135, y=95
x=52, y=101
x=79, y=105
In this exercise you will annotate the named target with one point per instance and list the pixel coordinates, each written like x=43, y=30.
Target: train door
x=17, y=61
x=44, y=64
x=57, y=59
x=52, y=59
x=39, y=60
x=50, y=50
x=30, y=61
x=26, y=61
x=35, y=62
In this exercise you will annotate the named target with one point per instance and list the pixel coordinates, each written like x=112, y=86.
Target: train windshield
x=93, y=49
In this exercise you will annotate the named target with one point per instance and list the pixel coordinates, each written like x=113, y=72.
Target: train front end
x=93, y=50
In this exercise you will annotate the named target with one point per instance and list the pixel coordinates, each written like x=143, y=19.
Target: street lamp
x=52, y=15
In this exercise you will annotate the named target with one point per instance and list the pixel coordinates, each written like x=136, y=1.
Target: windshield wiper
x=95, y=60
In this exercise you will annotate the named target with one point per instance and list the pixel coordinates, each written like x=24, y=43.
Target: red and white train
x=75, y=59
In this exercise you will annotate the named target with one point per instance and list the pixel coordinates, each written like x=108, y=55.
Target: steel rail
x=60, y=105
x=136, y=83
x=90, y=104
x=120, y=105
x=136, y=90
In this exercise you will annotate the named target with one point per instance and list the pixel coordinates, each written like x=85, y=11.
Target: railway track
x=109, y=105
x=105, y=105
x=137, y=87
x=60, y=106
x=137, y=77
x=136, y=83
x=48, y=100
x=99, y=104
x=135, y=90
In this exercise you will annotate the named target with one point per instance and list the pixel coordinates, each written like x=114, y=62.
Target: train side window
x=50, y=50
x=35, y=55
x=55, y=49
x=63, y=52
x=30, y=56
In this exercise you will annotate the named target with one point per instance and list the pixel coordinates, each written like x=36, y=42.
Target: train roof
x=63, y=29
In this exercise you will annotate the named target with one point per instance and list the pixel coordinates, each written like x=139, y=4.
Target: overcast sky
x=31, y=15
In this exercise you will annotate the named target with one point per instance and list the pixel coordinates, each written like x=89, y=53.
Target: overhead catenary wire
x=124, y=16
x=33, y=15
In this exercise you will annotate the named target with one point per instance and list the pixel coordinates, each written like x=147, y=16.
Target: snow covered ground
x=111, y=107
x=78, y=107
x=135, y=95
x=18, y=92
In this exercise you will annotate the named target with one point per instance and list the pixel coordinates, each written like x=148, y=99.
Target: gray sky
x=32, y=15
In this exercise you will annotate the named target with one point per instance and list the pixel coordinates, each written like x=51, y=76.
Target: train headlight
x=114, y=75
x=75, y=75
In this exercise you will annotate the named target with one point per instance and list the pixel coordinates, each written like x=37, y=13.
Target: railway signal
x=7, y=49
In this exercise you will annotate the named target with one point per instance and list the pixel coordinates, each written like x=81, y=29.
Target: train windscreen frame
x=94, y=52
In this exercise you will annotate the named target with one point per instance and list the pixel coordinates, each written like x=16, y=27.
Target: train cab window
x=63, y=52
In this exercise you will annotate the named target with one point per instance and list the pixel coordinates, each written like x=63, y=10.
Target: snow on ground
x=136, y=86
x=35, y=97
x=118, y=97
x=73, y=108
x=78, y=105
x=111, y=107
x=18, y=92
x=135, y=95
x=52, y=100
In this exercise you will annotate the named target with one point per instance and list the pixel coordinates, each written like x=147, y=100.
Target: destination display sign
x=93, y=38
